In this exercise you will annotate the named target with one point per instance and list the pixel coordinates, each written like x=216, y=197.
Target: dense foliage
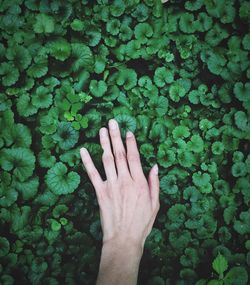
x=177, y=75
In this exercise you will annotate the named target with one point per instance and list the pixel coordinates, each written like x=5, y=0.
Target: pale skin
x=128, y=205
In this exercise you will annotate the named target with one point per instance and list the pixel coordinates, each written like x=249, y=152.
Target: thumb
x=153, y=182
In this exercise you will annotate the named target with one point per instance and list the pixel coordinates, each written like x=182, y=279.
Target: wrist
x=129, y=245
x=120, y=260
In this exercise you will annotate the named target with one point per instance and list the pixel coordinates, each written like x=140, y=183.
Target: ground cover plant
x=177, y=75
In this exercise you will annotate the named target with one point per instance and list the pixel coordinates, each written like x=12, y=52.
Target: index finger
x=93, y=173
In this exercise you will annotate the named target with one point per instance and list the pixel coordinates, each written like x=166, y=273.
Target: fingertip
x=155, y=169
x=83, y=151
x=129, y=134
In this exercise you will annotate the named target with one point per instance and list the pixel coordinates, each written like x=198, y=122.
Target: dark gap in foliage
x=208, y=78
x=203, y=268
x=5, y=231
x=141, y=66
x=244, y=146
x=19, y=278
x=96, y=76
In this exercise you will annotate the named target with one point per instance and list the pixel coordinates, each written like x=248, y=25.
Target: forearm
x=119, y=264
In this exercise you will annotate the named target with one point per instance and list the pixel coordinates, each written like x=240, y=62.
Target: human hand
x=128, y=202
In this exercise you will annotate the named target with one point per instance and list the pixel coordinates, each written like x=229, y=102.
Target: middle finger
x=118, y=148
x=107, y=156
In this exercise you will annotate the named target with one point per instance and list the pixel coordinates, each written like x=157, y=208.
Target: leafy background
x=177, y=75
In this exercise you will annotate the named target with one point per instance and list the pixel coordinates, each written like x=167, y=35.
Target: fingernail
x=103, y=132
x=129, y=134
x=113, y=124
x=156, y=169
x=83, y=151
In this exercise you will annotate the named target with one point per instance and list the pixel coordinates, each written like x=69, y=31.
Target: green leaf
x=60, y=49
x=28, y=188
x=60, y=181
x=98, y=88
x=166, y=157
x=117, y=8
x=176, y=92
x=168, y=184
x=162, y=76
x=82, y=57
x=186, y=158
x=55, y=225
x=242, y=226
x=66, y=136
x=46, y=159
x=196, y=144
x=220, y=265
x=194, y=6
x=143, y=31
x=39, y=265
x=59, y=210
x=127, y=78
x=42, y=98
x=159, y=104
x=4, y=246
x=217, y=148
x=113, y=26
x=9, y=72
x=141, y=13
x=46, y=198
x=44, y=24
x=246, y=42
x=125, y=33
x=8, y=195
x=77, y=25
x=39, y=68
x=187, y=23
x=25, y=107
x=17, y=135
x=19, y=160
x=200, y=179
x=5, y=102
x=100, y=64
x=236, y=275
x=94, y=37
x=20, y=217
x=20, y=56
x=242, y=121
x=242, y=91
x=126, y=123
x=180, y=132
x=239, y=169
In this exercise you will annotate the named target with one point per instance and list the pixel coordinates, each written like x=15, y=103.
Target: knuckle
x=104, y=142
x=120, y=155
x=107, y=158
x=133, y=157
x=125, y=183
x=114, y=133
